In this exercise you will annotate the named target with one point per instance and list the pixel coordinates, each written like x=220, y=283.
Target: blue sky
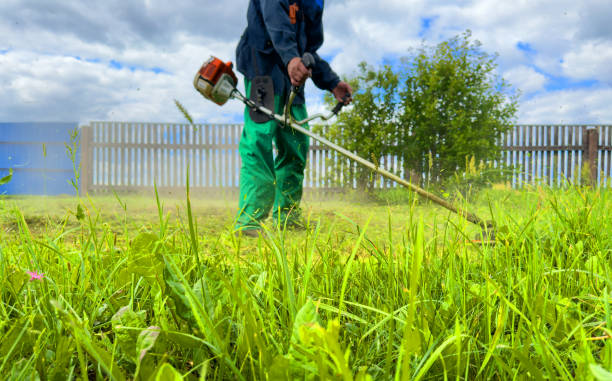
x=128, y=60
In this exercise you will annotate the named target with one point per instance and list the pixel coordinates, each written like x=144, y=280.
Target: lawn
x=142, y=288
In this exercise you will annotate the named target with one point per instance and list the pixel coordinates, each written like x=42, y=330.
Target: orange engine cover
x=215, y=79
x=214, y=68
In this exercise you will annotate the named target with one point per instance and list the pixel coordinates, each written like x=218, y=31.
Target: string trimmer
x=217, y=82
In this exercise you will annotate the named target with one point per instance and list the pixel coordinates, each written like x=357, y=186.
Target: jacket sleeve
x=282, y=34
x=322, y=74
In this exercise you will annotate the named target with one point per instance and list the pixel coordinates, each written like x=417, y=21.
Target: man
x=278, y=33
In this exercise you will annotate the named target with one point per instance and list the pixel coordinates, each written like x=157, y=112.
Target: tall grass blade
x=348, y=266
x=411, y=343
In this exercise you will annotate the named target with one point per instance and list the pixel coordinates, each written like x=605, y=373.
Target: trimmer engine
x=216, y=80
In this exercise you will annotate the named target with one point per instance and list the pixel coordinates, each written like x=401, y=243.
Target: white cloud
x=42, y=79
x=57, y=88
x=526, y=79
x=584, y=106
x=591, y=61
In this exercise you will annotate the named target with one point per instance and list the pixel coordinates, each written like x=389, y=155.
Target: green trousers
x=269, y=182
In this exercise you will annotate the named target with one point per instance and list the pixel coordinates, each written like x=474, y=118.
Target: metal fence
x=37, y=153
x=135, y=156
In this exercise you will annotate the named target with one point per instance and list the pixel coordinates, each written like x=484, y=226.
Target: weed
x=382, y=292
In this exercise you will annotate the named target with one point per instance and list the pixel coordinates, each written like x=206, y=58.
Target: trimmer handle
x=340, y=104
x=308, y=61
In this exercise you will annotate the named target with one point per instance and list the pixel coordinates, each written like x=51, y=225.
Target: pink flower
x=34, y=275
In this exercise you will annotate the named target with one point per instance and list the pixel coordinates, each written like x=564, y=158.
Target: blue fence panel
x=36, y=152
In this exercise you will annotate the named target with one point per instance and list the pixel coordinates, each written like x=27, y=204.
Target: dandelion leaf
x=125, y=325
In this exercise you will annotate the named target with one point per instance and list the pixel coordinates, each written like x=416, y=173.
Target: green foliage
x=600, y=373
x=84, y=339
x=314, y=350
x=144, y=259
x=126, y=326
x=168, y=373
x=454, y=106
x=371, y=292
x=442, y=106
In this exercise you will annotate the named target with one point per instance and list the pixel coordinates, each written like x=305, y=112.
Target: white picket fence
x=136, y=156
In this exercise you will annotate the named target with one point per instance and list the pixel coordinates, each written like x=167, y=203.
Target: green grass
x=133, y=289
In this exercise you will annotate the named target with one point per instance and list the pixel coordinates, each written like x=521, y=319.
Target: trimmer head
x=488, y=235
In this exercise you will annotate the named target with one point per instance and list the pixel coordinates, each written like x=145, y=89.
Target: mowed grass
x=144, y=288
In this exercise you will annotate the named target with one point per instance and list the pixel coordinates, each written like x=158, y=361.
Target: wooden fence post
x=86, y=154
x=591, y=149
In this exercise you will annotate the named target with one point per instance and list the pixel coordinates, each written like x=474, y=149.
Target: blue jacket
x=271, y=40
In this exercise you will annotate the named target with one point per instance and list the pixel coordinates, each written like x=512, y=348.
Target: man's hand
x=298, y=72
x=343, y=92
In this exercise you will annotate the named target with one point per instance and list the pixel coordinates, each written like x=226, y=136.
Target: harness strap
x=255, y=65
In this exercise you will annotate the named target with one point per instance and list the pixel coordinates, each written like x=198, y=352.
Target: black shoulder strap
x=255, y=65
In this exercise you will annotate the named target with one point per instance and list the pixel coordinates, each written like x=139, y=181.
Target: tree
x=440, y=109
x=453, y=106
